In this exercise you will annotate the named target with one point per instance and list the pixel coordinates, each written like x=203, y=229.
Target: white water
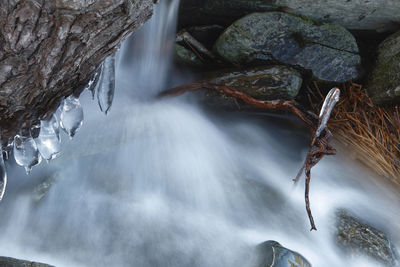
x=164, y=183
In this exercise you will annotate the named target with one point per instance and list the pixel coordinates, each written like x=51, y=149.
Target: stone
x=373, y=15
x=328, y=50
x=378, y=15
x=384, y=83
x=265, y=82
x=357, y=237
x=11, y=262
x=186, y=56
x=273, y=254
x=262, y=82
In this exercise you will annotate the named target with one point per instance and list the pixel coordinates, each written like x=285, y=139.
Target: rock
x=272, y=254
x=265, y=83
x=380, y=15
x=384, y=83
x=11, y=262
x=48, y=50
x=187, y=56
x=223, y=12
x=328, y=50
x=357, y=237
x=376, y=15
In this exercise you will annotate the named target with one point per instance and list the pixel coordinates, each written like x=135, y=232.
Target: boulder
x=384, y=83
x=329, y=51
x=379, y=15
x=273, y=254
x=11, y=262
x=357, y=237
x=374, y=15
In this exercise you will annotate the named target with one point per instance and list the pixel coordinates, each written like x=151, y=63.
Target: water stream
x=168, y=183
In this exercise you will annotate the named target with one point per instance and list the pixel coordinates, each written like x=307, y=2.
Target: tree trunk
x=49, y=48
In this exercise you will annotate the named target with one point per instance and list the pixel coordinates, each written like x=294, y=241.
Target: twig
x=189, y=39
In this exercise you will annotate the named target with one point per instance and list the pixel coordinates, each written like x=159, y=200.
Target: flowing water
x=167, y=183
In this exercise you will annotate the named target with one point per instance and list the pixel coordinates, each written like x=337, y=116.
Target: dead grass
x=372, y=132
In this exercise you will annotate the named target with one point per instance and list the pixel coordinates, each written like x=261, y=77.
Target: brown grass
x=372, y=132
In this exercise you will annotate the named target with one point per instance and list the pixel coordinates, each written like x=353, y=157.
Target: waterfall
x=166, y=183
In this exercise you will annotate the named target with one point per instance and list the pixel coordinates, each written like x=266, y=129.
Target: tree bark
x=49, y=48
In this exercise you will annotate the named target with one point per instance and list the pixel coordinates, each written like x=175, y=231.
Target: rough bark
x=49, y=48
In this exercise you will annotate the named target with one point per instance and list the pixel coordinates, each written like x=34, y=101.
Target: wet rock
x=380, y=15
x=186, y=56
x=272, y=254
x=328, y=50
x=384, y=84
x=11, y=262
x=265, y=83
x=357, y=237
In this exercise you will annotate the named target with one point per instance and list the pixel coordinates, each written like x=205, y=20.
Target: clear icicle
x=3, y=175
x=330, y=101
x=71, y=118
x=26, y=152
x=48, y=141
x=94, y=80
x=105, y=90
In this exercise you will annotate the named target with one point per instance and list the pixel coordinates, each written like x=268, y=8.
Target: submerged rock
x=328, y=50
x=11, y=262
x=357, y=237
x=384, y=84
x=272, y=254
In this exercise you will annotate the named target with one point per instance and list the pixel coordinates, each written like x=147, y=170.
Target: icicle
x=3, y=175
x=48, y=141
x=330, y=101
x=71, y=118
x=94, y=81
x=26, y=152
x=105, y=90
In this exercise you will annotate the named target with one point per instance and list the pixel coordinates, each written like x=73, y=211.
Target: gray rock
x=11, y=262
x=186, y=56
x=265, y=83
x=272, y=254
x=376, y=15
x=328, y=50
x=380, y=15
x=384, y=84
x=357, y=237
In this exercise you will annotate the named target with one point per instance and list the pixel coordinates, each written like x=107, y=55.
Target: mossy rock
x=328, y=50
x=384, y=83
x=357, y=237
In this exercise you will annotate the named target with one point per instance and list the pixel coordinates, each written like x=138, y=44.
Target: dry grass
x=372, y=132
